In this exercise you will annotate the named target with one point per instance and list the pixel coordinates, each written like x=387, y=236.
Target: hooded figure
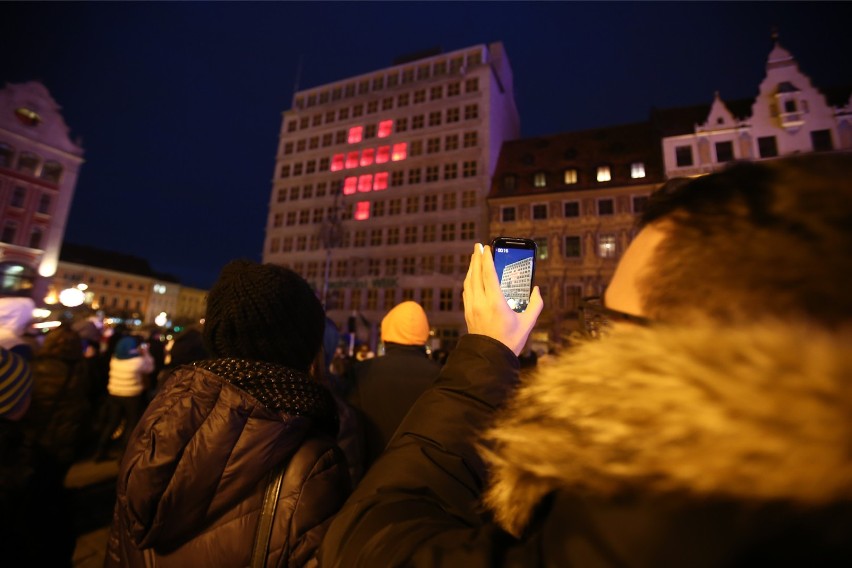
x=193, y=479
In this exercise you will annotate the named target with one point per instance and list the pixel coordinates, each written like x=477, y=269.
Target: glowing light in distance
x=383, y=155
x=380, y=181
x=71, y=297
x=385, y=128
x=365, y=183
x=352, y=160
x=362, y=210
x=349, y=185
x=356, y=134
x=367, y=156
x=400, y=151
x=337, y=162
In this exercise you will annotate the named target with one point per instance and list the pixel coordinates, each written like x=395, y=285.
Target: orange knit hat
x=406, y=324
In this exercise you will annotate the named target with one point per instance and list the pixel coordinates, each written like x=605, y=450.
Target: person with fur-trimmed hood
x=224, y=436
x=706, y=422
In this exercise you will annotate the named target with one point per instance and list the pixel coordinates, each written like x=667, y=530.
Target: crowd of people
x=701, y=418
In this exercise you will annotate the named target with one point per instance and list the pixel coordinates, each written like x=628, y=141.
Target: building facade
x=577, y=195
x=381, y=181
x=39, y=165
x=788, y=116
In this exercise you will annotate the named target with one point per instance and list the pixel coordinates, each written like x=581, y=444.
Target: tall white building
x=789, y=116
x=39, y=165
x=381, y=179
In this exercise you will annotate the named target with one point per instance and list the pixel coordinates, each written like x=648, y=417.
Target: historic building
x=39, y=165
x=789, y=116
x=577, y=195
x=381, y=180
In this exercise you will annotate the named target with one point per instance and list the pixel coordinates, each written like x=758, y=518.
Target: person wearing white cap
x=385, y=387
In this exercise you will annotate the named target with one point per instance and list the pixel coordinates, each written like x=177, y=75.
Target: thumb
x=535, y=306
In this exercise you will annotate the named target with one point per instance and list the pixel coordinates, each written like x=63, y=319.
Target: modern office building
x=789, y=116
x=577, y=195
x=381, y=180
x=39, y=165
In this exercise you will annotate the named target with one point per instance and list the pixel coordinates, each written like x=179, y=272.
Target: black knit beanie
x=263, y=312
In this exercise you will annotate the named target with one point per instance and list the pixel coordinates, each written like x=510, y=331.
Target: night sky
x=178, y=105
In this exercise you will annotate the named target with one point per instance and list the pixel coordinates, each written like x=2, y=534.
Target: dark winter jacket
x=385, y=387
x=192, y=479
x=659, y=447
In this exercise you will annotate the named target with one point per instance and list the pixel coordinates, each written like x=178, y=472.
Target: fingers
x=535, y=306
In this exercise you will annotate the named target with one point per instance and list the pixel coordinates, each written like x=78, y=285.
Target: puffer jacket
x=703, y=446
x=193, y=477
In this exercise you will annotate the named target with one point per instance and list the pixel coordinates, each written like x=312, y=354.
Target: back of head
x=63, y=343
x=406, y=324
x=263, y=312
x=127, y=347
x=764, y=239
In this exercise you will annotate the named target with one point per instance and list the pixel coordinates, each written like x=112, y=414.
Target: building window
x=573, y=248
x=468, y=230
x=431, y=173
x=509, y=182
x=397, y=178
x=446, y=302
x=436, y=92
x=430, y=203
x=469, y=169
x=410, y=235
x=539, y=211
x=540, y=179
x=401, y=124
x=416, y=148
x=394, y=207
x=471, y=85
x=570, y=176
x=603, y=174
x=52, y=172
x=429, y=234
x=541, y=246
x=414, y=175
x=640, y=202
x=767, y=146
x=451, y=142
x=451, y=171
x=508, y=214
x=35, y=238
x=470, y=139
x=469, y=198
x=433, y=145
x=412, y=204
x=408, y=265
x=18, y=196
x=821, y=140
x=6, y=155
x=571, y=209
x=448, y=232
x=683, y=156
x=427, y=299
x=435, y=118
x=393, y=236
x=453, y=115
x=724, y=151
x=637, y=170
x=390, y=266
x=606, y=206
x=471, y=112
x=448, y=201
x=357, y=110
x=606, y=246
x=454, y=89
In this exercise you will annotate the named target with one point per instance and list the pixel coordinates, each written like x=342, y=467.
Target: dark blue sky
x=178, y=105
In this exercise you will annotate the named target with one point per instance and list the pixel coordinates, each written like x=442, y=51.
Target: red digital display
x=383, y=155
x=365, y=183
x=352, y=160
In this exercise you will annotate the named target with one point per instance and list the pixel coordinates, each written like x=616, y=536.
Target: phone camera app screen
x=514, y=268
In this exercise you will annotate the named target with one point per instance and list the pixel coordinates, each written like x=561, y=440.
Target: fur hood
x=757, y=413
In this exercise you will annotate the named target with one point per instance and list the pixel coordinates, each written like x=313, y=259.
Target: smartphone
x=514, y=259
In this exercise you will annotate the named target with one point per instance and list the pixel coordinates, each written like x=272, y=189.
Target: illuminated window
x=365, y=183
x=355, y=134
x=451, y=142
x=352, y=160
x=452, y=115
x=470, y=139
x=350, y=185
x=570, y=176
x=385, y=128
x=429, y=234
x=399, y=151
x=451, y=171
x=436, y=92
x=606, y=246
x=380, y=181
x=420, y=96
x=383, y=154
x=606, y=207
x=637, y=170
x=603, y=173
x=367, y=156
x=448, y=201
x=540, y=179
x=417, y=122
x=430, y=203
x=362, y=211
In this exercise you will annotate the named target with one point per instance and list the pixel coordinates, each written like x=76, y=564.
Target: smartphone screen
x=514, y=259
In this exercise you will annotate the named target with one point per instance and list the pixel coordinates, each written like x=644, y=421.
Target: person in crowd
x=129, y=366
x=186, y=347
x=16, y=385
x=709, y=425
x=384, y=388
x=16, y=313
x=206, y=455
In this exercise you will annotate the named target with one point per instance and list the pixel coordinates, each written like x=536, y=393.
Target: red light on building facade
x=367, y=156
x=362, y=210
x=385, y=128
x=400, y=151
x=365, y=183
x=380, y=182
x=336, y=162
x=349, y=185
x=352, y=160
x=356, y=134
x=383, y=155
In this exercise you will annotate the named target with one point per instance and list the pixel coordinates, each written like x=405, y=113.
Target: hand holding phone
x=514, y=260
x=486, y=310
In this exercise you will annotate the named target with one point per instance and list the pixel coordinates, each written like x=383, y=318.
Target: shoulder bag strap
x=267, y=514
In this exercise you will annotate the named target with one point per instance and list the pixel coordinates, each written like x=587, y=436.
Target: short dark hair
x=756, y=239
